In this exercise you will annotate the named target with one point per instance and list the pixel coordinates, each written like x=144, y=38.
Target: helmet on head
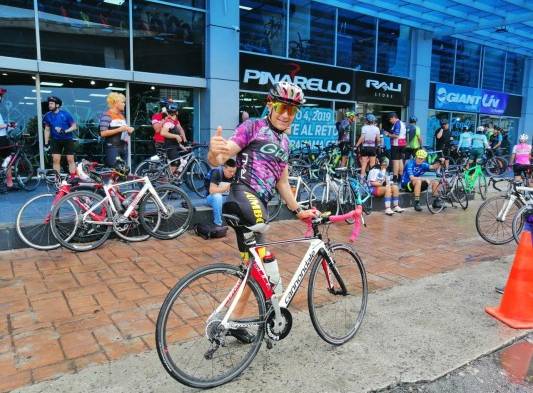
x=385, y=161
x=421, y=154
x=480, y=129
x=443, y=121
x=523, y=138
x=55, y=99
x=121, y=168
x=370, y=118
x=350, y=114
x=287, y=92
x=413, y=119
x=163, y=103
x=172, y=107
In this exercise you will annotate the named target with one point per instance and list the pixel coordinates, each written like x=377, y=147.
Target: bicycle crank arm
x=337, y=292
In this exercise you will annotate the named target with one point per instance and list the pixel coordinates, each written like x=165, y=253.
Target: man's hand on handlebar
x=305, y=214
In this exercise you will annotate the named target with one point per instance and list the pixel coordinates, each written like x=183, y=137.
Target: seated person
x=219, y=184
x=378, y=180
x=412, y=181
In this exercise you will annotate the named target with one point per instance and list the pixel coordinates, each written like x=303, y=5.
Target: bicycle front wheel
x=172, y=223
x=33, y=223
x=494, y=219
x=26, y=175
x=337, y=295
x=519, y=221
x=192, y=344
x=153, y=169
x=324, y=197
x=482, y=186
x=346, y=200
x=459, y=193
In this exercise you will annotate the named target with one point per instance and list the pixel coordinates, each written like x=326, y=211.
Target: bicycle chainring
x=283, y=329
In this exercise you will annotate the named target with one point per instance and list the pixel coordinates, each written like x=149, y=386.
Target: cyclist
x=465, y=143
x=443, y=140
x=173, y=134
x=157, y=124
x=378, y=179
x=496, y=139
x=413, y=182
x=479, y=144
x=397, y=135
x=521, y=157
x=114, y=130
x=262, y=150
x=344, y=129
x=59, y=125
x=414, y=139
x=5, y=144
x=370, y=139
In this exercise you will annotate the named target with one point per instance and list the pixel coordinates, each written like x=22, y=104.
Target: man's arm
x=165, y=131
x=218, y=189
x=182, y=133
x=220, y=149
x=439, y=133
x=46, y=135
x=73, y=127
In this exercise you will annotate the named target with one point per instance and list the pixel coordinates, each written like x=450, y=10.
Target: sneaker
x=241, y=334
x=437, y=203
x=388, y=211
x=398, y=209
x=418, y=208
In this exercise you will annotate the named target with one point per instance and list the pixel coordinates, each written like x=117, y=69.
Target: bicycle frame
x=471, y=176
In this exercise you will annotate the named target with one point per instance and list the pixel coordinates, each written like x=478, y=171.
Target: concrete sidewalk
x=61, y=311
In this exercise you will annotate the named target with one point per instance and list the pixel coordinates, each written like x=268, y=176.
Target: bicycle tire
x=495, y=166
x=346, y=200
x=26, y=174
x=84, y=236
x=459, y=193
x=198, y=171
x=193, y=309
x=482, y=186
x=491, y=228
x=180, y=211
x=430, y=198
x=152, y=169
x=324, y=199
x=273, y=207
x=519, y=221
x=134, y=232
x=36, y=232
x=339, y=274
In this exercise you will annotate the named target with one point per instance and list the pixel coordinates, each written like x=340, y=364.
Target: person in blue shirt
x=479, y=144
x=413, y=182
x=58, y=126
x=465, y=142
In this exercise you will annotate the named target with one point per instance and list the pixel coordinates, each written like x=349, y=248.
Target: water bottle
x=6, y=161
x=272, y=271
x=183, y=162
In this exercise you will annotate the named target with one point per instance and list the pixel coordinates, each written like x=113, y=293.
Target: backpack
x=210, y=231
x=207, y=178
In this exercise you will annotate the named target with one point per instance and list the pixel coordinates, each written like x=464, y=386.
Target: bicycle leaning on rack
x=451, y=189
x=23, y=171
x=203, y=304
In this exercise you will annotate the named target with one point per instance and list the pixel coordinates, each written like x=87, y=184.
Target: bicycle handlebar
x=354, y=214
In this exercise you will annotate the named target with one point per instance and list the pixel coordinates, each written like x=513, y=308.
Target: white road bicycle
x=301, y=191
x=525, y=213
x=84, y=220
x=195, y=331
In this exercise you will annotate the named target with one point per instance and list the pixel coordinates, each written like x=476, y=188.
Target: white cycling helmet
x=480, y=129
x=523, y=138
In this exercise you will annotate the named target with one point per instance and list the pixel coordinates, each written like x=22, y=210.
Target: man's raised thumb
x=219, y=131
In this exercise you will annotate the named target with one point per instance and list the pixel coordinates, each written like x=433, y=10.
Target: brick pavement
x=61, y=311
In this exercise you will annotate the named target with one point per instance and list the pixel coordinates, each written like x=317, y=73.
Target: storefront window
x=514, y=72
x=252, y=103
x=442, y=58
x=393, y=48
x=17, y=29
x=311, y=32
x=168, y=39
x=88, y=33
x=19, y=105
x=467, y=63
x=145, y=103
x=189, y=3
x=356, y=40
x=493, y=67
x=461, y=120
x=263, y=26
x=85, y=100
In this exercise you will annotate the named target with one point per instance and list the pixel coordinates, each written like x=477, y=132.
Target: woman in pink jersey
x=521, y=157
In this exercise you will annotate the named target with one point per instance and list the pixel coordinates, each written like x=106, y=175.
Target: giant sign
x=467, y=99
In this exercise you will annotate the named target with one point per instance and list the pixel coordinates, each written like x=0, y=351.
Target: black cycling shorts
x=396, y=152
x=63, y=147
x=411, y=187
x=6, y=147
x=368, y=151
x=518, y=169
x=345, y=148
x=251, y=210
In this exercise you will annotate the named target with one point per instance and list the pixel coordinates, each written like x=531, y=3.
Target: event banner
x=468, y=99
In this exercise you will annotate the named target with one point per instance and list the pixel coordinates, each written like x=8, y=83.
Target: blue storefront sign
x=467, y=99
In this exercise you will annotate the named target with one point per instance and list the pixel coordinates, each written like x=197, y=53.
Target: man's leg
x=216, y=201
x=71, y=165
x=396, y=199
x=417, y=187
x=388, y=194
x=56, y=162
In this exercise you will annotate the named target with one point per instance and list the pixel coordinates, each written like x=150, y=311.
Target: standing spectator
x=397, y=134
x=378, y=179
x=5, y=149
x=370, y=139
x=157, y=124
x=114, y=130
x=344, y=129
x=479, y=144
x=414, y=139
x=219, y=184
x=443, y=140
x=173, y=133
x=59, y=125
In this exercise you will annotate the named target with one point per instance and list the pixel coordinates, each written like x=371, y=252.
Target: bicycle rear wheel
x=519, y=220
x=482, y=186
x=491, y=224
x=33, y=223
x=187, y=329
x=26, y=175
x=130, y=229
x=346, y=200
x=198, y=170
x=75, y=232
x=168, y=225
x=337, y=313
x=153, y=169
x=459, y=193
x=324, y=198
x=431, y=199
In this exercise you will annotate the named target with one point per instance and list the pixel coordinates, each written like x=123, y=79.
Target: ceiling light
x=180, y=101
x=71, y=81
x=187, y=107
x=30, y=103
x=42, y=91
x=30, y=98
x=110, y=84
x=243, y=7
x=115, y=88
x=55, y=84
x=4, y=73
x=21, y=103
x=83, y=101
x=98, y=95
x=152, y=87
x=33, y=78
x=93, y=83
x=115, y=2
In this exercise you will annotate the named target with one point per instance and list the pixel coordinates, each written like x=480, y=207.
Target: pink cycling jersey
x=522, y=151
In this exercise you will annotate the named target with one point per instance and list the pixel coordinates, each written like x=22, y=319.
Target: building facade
x=218, y=58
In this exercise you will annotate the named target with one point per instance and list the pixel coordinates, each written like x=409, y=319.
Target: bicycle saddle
x=234, y=222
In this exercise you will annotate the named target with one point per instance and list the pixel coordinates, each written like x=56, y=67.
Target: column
x=420, y=73
x=526, y=121
x=219, y=104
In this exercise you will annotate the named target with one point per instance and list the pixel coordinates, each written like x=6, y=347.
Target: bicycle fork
x=502, y=215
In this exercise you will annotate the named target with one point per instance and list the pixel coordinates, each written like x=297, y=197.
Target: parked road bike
x=301, y=191
x=494, y=217
x=193, y=330
x=352, y=192
x=451, y=190
x=524, y=214
x=22, y=170
x=190, y=169
x=84, y=220
x=474, y=178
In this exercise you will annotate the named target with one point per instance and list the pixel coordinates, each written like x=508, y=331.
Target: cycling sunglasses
x=281, y=107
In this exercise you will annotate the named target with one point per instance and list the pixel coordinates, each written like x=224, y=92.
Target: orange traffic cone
x=516, y=307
